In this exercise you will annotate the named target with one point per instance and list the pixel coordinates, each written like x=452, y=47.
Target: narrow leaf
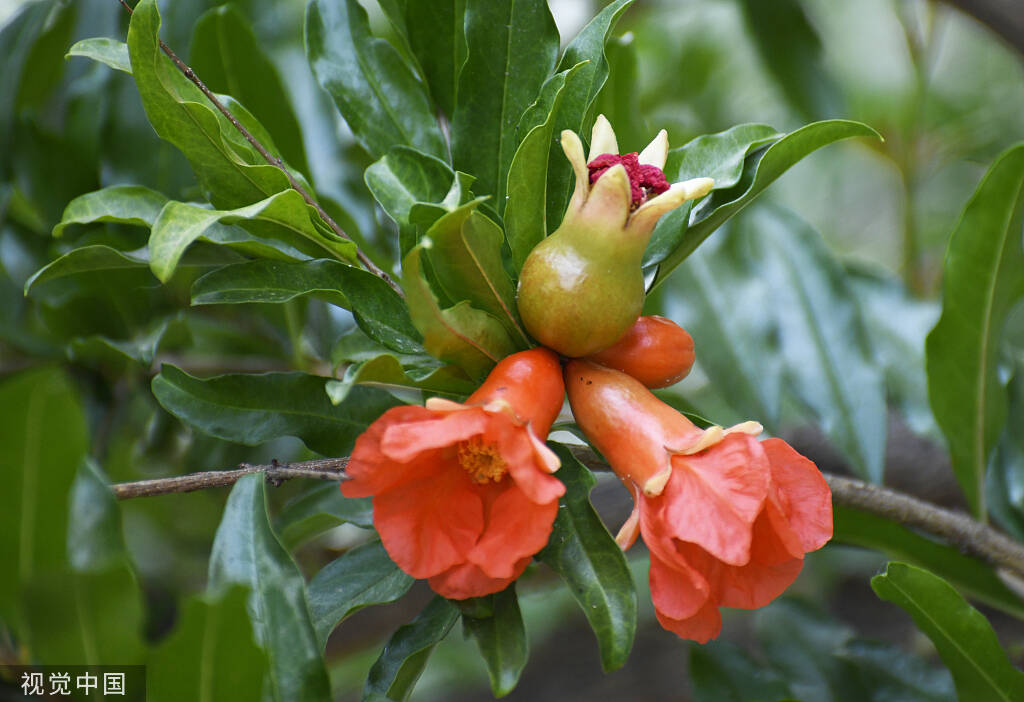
x=405, y=655
x=227, y=166
x=124, y=204
x=211, y=655
x=375, y=90
x=320, y=508
x=227, y=54
x=467, y=337
x=501, y=638
x=964, y=638
x=983, y=279
x=970, y=575
x=84, y=259
x=759, y=170
x=438, y=41
x=112, y=52
x=824, y=340
x=512, y=46
x=587, y=46
x=360, y=578
x=377, y=308
x=593, y=566
x=526, y=215
x=466, y=257
x=251, y=409
x=247, y=552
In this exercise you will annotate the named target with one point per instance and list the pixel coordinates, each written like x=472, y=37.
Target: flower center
x=644, y=179
x=481, y=460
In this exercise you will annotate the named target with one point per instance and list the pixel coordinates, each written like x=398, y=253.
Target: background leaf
x=983, y=278
x=247, y=552
x=401, y=663
x=112, y=52
x=211, y=655
x=251, y=409
x=512, y=46
x=501, y=638
x=586, y=556
x=963, y=637
x=317, y=509
x=375, y=90
x=359, y=578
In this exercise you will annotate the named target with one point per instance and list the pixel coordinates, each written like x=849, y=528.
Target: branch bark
x=956, y=528
x=271, y=159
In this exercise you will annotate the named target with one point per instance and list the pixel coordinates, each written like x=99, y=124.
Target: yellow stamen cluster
x=481, y=460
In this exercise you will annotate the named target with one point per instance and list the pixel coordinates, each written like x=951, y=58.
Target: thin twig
x=320, y=469
x=958, y=529
x=271, y=159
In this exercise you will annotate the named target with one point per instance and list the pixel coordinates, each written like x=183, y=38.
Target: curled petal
x=467, y=580
x=714, y=497
x=749, y=586
x=370, y=471
x=519, y=453
x=804, y=496
x=430, y=525
x=702, y=626
x=516, y=528
x=403, y=441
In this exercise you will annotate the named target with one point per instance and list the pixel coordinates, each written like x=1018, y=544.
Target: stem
x=971, y=536
x=272, y=160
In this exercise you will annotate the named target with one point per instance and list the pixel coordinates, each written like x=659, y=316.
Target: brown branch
x=958, y=529
x=320, y=469
x=271, y=159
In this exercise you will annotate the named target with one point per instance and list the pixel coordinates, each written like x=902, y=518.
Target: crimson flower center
x=644, y=179
x=481, y=460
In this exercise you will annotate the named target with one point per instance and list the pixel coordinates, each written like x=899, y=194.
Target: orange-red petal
x=467, y=580
x=804, y=496
x=678, y=591
x=370, y=471
x=429, y=525
x=401, y=442
x=516, y=528
x=520, y=457
x=713, y=497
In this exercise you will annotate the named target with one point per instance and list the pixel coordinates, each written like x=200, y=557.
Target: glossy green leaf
x=210, y=655
x=983, y=278
x=894, y=674
x=141, y=348
x=112, y=52
x=90, y=612
x=462, y=335
x=1005, y=478
x=375, y=90
x=229, y=169
x=618, y=98
x=179, y=224
x=409, y=184
x=465, y=254
x=718, y=298
x=824, y=341
x=438, y=41
x=964, y=638
x=512, y=46
x=718, y=156
x=526, y=215
x=319, y=508
x=759, y=170
x=580, y=95
x=82, y=260
x=360, y=578
x=974, y=577
x=38, y=473
x=228, y=56
x=247, y=552
x=791, y=49
x=405, y=655
x=723, y=672
x=593, y=566
x=124, y=204
x=251, y=409
x=501, y=638
x=390, y=370
x=377, y=308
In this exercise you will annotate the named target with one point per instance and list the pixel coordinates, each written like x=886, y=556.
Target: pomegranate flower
x=727, y=518
x=463, y=493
